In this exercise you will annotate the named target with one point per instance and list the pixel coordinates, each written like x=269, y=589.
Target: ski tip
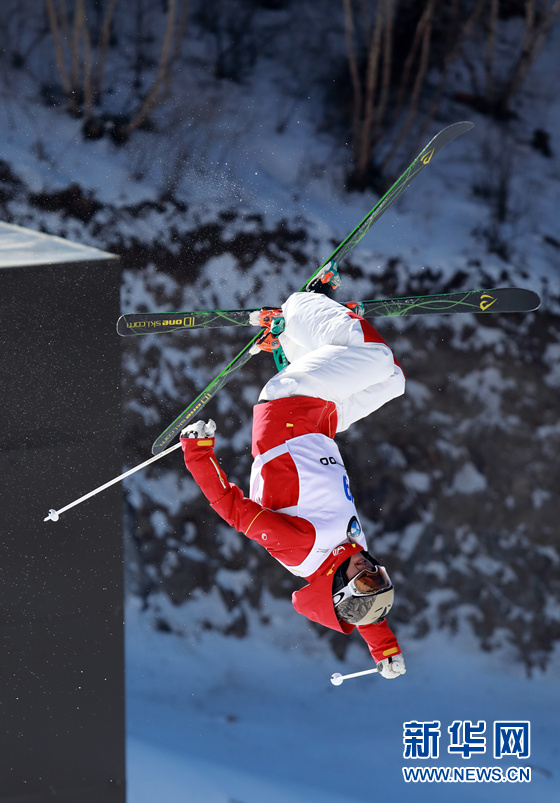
x=448, y=134
x=122, y=327
x=443, y=138
x=521, y=300
x=461, y=126
x=163, y=441
x=455, y=130
x=157, y=447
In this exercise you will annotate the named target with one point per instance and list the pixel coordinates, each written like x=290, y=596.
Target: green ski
x=505, y=299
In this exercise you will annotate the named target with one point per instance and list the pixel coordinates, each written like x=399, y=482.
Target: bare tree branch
x=157, y=92
x=386, y=70
x=79, y=17
x=82, y=66
x=536, y=32
x=459, y=31
x=58, y=48
x=490, y=48
x=103, y=47
x=371, y=79
x=354, y=73
x=86, y=64
x=422, y=41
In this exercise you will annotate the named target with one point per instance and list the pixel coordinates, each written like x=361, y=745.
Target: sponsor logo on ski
x=486, y=301
x=427, y=158
x=143, y=324
x=186, y=321
x=202, y=402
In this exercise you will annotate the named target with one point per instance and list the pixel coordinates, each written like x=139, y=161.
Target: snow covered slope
x=252, y=720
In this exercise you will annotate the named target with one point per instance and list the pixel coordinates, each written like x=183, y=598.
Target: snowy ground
x=247, y=721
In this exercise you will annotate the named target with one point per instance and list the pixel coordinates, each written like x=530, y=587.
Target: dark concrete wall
x=62, y=729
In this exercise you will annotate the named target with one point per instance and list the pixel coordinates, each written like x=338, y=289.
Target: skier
x=300, y=507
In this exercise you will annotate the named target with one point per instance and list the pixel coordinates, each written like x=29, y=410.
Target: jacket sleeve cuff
x=192, y=444
x=381, y=640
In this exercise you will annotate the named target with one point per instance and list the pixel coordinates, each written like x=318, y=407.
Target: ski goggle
x=367, y=583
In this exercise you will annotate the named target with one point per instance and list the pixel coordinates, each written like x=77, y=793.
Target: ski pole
x=54, y=515
x=337, y=679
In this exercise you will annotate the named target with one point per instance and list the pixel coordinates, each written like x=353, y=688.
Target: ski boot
x=326, y=280
x=271, y=319
x=356, y=307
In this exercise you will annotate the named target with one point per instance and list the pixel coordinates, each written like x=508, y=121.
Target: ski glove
x=200, y=429
x=391, y=667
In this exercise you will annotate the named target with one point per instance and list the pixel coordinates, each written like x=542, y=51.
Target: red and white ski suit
x=300, y=507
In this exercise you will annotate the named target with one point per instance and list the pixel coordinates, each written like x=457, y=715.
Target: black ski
x=423, y=159
x=508, y=299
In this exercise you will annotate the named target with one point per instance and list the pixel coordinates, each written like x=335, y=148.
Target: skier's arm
x=287, y=538
x=380, y=639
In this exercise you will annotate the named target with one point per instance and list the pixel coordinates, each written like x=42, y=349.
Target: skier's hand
x=391, y=667
x=200, y=429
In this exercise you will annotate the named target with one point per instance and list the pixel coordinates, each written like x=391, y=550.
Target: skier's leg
x=366, y=401
x=312, y=320
x=335, y=356
x=337, y=373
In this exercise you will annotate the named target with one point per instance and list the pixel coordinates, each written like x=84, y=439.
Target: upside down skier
x=300, y=508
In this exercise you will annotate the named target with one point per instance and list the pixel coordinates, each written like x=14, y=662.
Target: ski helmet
x=365, y=599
